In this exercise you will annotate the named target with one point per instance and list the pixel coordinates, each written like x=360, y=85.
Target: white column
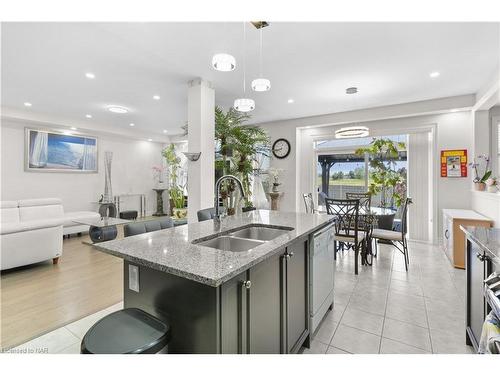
x=201, y=138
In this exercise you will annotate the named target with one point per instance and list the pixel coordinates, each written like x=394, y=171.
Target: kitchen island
x=242, y=287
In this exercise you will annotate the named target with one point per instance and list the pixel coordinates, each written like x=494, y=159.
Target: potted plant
x=492, y=185
x=237, y=146
x=176, y=192
x=481, y=178
x=383, y=154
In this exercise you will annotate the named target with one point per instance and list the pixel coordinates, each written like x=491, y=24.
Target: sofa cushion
x=24, y=226
x=40, y=202
x=9, y=213
x=38, y=211
x=71, y=217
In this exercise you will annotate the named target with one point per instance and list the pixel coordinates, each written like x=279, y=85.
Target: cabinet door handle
x=447, y=234
x=247, y=284
x=480, y=257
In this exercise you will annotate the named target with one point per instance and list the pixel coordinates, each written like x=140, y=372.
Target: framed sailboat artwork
x=54, y=151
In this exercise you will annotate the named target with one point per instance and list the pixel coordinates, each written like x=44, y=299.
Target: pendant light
x=261, y=84
x=244, y=104
x=223, y=62
x=356, y=131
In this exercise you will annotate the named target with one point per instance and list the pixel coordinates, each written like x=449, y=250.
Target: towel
x=490, y=336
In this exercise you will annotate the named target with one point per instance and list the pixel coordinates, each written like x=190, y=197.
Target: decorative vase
x=179, y=213
x=231, y=211
x=108, y=191
x=480, y=186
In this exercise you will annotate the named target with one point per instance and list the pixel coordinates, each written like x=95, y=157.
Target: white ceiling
x=313, y=63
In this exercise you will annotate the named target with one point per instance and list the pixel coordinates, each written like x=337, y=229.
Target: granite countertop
x=171, y=250
x=487, y=238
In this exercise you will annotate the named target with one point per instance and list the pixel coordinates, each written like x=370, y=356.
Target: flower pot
x=492, y=188
x=179, y=213
x=247, y=209
x=480, y=186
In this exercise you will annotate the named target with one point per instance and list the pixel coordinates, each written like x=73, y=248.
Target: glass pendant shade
x=244, y=105
x=223, y=62
x=261, y=84
x=352, y=132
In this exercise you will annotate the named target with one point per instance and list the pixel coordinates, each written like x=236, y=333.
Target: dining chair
x=365, y=200
x=206, y=214
x=396, y=238
x=346, y=225
x=309, y=203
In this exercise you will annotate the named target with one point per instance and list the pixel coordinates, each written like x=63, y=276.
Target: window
x=340, y=171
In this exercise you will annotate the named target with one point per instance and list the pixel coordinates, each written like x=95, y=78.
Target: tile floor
x=382, y=310
x=64, y=340
x=389, y=311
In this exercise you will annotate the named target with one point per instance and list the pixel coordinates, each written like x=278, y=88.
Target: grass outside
x=345, y=182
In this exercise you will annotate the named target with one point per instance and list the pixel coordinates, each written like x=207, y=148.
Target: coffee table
x=102, y=229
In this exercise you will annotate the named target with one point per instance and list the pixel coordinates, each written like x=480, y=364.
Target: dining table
x=384, y=216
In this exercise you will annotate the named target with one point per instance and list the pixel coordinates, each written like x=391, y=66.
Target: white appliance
x=322, y=269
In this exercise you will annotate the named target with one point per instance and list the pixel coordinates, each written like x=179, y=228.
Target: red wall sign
x=454, y=163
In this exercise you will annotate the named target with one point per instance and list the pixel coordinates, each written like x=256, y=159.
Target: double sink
x=243, y=239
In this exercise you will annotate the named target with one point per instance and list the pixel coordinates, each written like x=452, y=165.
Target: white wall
x=131, y=172
x=453, y=130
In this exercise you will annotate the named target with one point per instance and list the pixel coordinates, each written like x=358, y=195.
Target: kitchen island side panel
x=190, y=308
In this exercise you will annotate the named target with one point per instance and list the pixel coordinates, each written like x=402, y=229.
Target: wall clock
x=281, y=148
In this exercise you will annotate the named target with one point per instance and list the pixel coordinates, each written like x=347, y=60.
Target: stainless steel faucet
x=218, y=184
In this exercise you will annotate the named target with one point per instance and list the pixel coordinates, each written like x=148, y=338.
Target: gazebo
x=328, y=161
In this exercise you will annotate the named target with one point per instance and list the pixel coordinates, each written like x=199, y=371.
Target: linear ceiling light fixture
x=244, y=104
x=261, y=84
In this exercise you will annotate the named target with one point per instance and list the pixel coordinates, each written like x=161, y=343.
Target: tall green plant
x=173, y=163
x=383, y=154
x=237, y=146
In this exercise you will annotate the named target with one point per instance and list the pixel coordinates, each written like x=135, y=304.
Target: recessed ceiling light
x=223, y=62
x=27, y=104
x=117, y=109
x=88, y=116
x=165, y=131
x=90, y=75
x=434, y=74
x=156, y=97
x=73, y=128
x=150, y=140
x=290, y=101
x=132, y=124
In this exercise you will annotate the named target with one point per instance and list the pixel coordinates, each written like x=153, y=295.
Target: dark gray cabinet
x=264, y=309
x=296, y=259
x=478, y=267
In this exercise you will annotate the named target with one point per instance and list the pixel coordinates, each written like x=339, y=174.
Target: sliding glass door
x=340, y=169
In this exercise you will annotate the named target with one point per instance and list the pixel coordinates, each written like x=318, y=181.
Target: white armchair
x=31, y=231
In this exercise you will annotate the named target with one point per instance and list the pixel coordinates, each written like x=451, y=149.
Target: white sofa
x=31, y=231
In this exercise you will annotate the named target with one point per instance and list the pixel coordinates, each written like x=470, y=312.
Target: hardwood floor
x=40, y=298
